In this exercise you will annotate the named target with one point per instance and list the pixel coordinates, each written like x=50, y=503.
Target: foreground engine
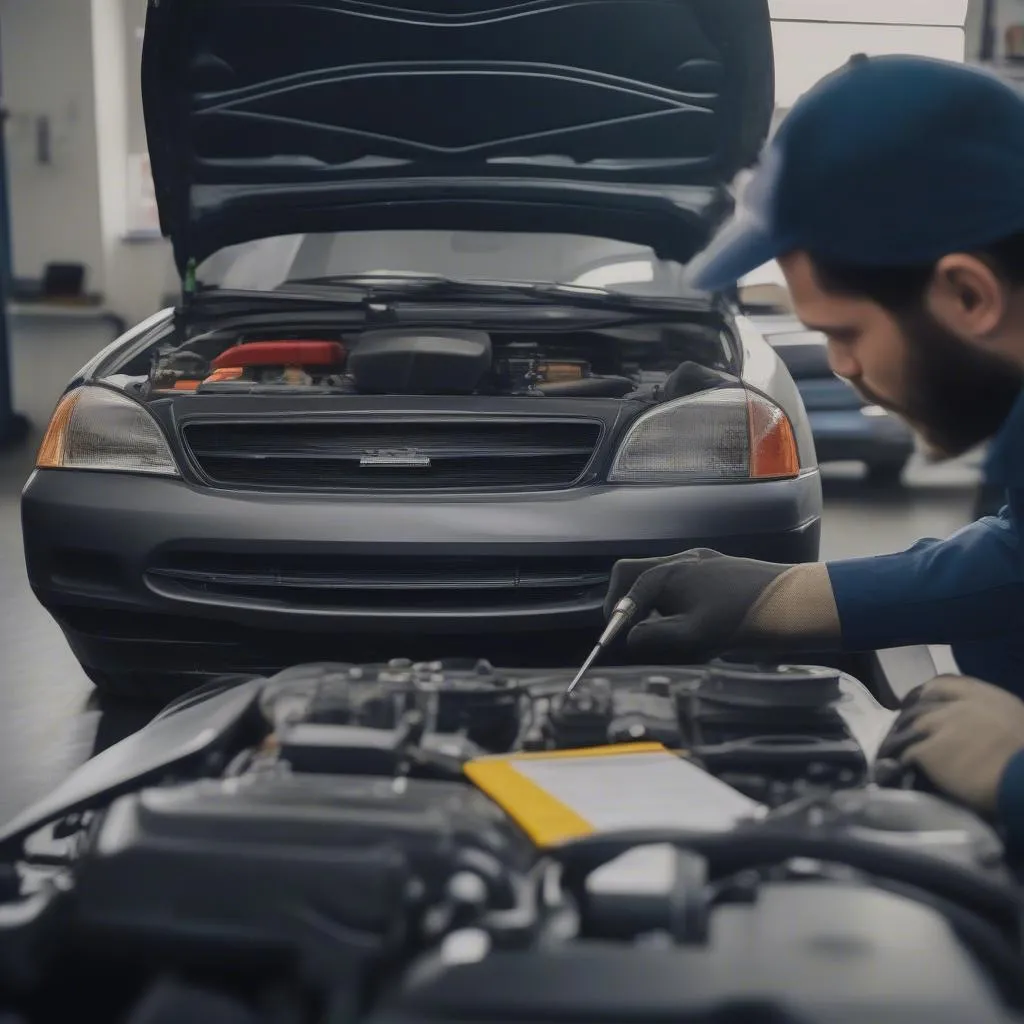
x=437, y=841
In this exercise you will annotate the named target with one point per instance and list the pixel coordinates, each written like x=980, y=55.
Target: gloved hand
x=961, y=733
x=708, y=603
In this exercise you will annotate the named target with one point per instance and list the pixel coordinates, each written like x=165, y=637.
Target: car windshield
x=463, y=256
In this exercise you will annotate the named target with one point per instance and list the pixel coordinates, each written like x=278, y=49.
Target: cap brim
x=743, y=245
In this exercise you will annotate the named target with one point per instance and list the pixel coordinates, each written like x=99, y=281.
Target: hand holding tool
x=622, y=614
x=709, y=604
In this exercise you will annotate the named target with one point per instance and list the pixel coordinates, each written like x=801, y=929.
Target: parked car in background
x=431, y=375
x=844, y=425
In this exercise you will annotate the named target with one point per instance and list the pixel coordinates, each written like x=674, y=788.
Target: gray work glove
x=707, y=604
x=961, y=733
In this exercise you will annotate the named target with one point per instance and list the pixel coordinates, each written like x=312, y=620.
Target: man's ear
x=967, y=297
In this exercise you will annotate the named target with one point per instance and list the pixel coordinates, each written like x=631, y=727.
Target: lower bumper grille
x=409, y=454
x=358, y=583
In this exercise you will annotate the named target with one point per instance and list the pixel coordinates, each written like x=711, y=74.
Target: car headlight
x=728, y=434
x=97, y=428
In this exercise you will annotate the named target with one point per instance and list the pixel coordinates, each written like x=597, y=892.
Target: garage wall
x=813, y=37
x=68, y=65
x=134, y=14
x=65, y=85
x=1008, y=13
x=51, y=135
x=138, y=268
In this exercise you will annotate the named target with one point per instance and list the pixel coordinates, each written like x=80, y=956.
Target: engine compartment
x=532, y=362
x=771, y=749
x=322, y=846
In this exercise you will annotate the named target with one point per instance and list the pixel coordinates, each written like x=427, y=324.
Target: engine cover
x=449, y=362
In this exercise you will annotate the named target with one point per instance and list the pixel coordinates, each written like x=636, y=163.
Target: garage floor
x=49, y=722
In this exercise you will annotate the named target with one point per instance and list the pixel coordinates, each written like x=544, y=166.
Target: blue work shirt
x=966, y=591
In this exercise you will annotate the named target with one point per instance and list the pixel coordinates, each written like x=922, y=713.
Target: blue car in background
x=845, y=426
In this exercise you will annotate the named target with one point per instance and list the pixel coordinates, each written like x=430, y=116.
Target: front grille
x=387, y=583
x=407, y=454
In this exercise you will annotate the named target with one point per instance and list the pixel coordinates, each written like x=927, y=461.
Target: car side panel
x=764, y=371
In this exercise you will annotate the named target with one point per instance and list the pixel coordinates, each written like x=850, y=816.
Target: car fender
x=765, y=372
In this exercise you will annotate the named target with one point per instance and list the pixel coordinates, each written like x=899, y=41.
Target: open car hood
x=622, y=118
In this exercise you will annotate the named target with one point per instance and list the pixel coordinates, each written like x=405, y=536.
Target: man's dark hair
x=901, y=289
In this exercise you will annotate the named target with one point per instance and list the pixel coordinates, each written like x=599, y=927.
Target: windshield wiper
x=390, y=286
x=353, y=297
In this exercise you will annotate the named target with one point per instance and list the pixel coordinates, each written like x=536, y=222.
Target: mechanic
x=892, y=197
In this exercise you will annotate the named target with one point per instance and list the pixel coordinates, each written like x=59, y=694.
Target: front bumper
x=92, y=541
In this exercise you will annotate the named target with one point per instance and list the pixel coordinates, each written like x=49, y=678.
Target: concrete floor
x=49, y=722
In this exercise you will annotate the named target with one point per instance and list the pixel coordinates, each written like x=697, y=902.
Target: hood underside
x=280, y=116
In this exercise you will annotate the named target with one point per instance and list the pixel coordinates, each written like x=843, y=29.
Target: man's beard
x=957, y=396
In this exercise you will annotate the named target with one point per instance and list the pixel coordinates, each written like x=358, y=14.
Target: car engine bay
x=635, y=360
x=412, y=842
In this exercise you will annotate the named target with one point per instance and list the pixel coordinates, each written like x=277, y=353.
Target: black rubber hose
x=750, y=847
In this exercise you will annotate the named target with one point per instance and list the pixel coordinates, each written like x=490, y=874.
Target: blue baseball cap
x=889, y=161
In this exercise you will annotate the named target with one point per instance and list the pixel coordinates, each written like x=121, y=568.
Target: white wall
x=48, y=72
x=68, y=61
x=61, y=61
x=814, y=37
x=136, y=271
x=876, y=12
x=109, y=79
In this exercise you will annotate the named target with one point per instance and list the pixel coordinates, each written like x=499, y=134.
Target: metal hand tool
x=621, y=616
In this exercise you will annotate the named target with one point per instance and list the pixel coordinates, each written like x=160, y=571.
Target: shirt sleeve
x=965, y=589
x=1010, y=803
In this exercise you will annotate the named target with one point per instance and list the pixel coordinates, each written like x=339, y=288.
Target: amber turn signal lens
x=51, y=450
x=773, y=451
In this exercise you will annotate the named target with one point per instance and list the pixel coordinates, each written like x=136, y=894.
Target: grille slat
x=326, y=456
x=383, y=581
x=497, y=453
x=413, y=583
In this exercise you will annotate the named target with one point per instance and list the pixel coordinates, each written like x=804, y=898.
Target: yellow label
x=543, y=817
